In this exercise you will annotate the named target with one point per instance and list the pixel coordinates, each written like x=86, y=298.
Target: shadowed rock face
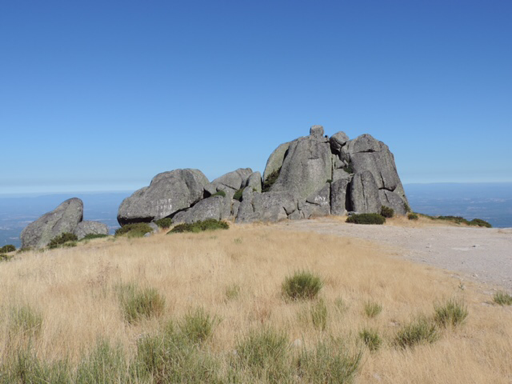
x=168, y=193
x=316, y=176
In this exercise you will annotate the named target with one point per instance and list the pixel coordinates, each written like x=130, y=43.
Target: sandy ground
x=478, y=254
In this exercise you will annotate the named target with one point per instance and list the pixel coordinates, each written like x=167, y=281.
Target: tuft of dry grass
x=236, y=278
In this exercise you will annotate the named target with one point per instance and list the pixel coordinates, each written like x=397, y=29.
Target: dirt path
x=478, y=254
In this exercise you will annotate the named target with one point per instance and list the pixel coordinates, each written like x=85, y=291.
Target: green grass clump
x=7, y=248
x=480, y=223
x=264, y=354
x=301, y=286
x=232, y=292
x=166, y=222
x=461, y=220
x=371, y=339
x=137, y=303
x=412, y=216
x=24, y=320
x=4, y=257
x=219, y=193
x=270, y=180
x=366, y=218
x=105, y=364
x=239, y=194
x=329, y=362
x=319, y=315
x=200, y=226
x=197, y=326
x=421, y=330
x=92, y=236
x=502, y=298
x=452, y=313
x=387, y=212
x=134, y=230
x=65, y=239
x=372, y=309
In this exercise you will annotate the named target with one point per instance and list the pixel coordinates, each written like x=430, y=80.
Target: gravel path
x=479, y=254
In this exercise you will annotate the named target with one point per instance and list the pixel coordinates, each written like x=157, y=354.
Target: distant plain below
x=488, y=201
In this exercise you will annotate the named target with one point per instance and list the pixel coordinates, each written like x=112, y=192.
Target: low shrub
x=270, y=180
x=302, y=285
x=92, y=236
x=349, y=168
x=371, y=339
x=372, y=309
x=104, y=364
x=200, y=226
x=25, y=320
x=134, y=230
x=166, y=222
x=239, y=194
x=387, y=212
x=412, y=216
x=232, y=292
x=366, y=218
x=480, y=223
x=421, y=330
x=61, y=240
x=4, y=257
x=7, y=248
x=197, y=326
x=137, y=303
x=502, y=298
x=264, y=354
x=452, y=313
x=219, y=193
x=329, y=362
x=319, y=315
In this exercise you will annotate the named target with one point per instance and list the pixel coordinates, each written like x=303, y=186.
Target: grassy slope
x=74, y=290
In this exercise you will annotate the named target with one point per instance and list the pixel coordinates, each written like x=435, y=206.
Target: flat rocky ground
x=478, y=254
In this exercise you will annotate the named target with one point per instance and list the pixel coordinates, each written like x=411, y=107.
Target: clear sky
x=103, y=95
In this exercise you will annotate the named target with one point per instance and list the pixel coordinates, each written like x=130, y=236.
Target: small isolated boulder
x=63, y=219
x=168, y=193
x=85, y=228
x=316, y=131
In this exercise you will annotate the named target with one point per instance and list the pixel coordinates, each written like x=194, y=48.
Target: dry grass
x=74, y=290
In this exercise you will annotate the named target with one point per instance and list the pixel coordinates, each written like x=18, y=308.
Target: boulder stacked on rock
x=307, y=177
x=66, y=218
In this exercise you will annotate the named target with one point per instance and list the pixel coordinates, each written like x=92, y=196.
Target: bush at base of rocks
x=166, y=222
x=134, y=230
x=200, y=226
x=366, y=218
x=61, y=240
x=387, y=212
x=7, y=248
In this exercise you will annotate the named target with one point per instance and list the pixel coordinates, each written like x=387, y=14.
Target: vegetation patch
x=372, y=309
x=134, y=230
x=25, y=320
x=92, y=236
x=4, y=257
x=219, y=193
x=301, y=286
x=197, y=326
x=371, y=339
x=461, y=220
x=239, y=194
x=137, y=303
x=7, y=248
x=366, y=218
x=452, y=313
x=421, y=330
x=270, y=180
x=502, y=298
x=387, y=212
x=164, y=223
x=65, y=239
x=319, y=315
x=412, y=216
x=200, y=226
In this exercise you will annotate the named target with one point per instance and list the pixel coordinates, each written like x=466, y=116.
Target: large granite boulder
x=364, y=193
x=214, y=207
x=85, y=228
x=275, y=161
x=339, y=196
x=307, y=166
x=266, y=207
x=168, y=193
x=63, y=219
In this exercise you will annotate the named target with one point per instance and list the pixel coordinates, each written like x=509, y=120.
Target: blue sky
x=103, y=95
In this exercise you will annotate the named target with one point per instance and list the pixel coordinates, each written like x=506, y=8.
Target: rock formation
x=308, y=177
x=66, y=218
